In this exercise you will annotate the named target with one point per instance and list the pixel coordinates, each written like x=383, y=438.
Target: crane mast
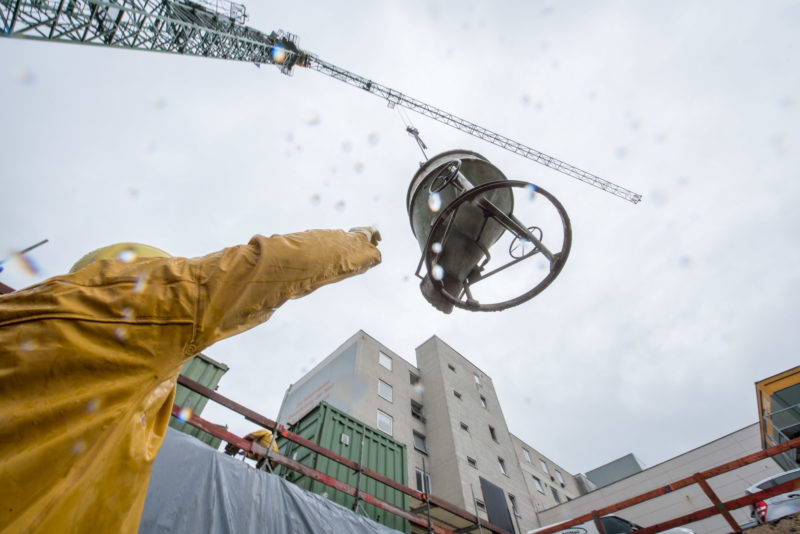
x=216, y=29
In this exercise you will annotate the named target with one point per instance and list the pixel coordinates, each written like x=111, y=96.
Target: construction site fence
x=272, y=456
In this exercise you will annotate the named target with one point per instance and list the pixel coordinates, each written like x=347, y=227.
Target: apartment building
x=446, y=411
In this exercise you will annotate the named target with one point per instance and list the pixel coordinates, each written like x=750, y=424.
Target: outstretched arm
x=240, y=287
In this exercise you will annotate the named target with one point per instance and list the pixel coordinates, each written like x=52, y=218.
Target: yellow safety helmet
x=124, y=251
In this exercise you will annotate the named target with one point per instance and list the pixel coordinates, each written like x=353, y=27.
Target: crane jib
x=216, y=29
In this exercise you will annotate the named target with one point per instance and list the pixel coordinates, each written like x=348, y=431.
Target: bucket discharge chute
x=488, y=243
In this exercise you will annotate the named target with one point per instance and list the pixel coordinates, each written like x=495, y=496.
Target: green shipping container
x=208, y=372
x=335, y=430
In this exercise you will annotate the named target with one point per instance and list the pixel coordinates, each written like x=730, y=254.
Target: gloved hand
x=372, y=233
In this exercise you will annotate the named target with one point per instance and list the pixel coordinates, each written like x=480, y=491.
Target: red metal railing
x=280, y=430
x=718, y=507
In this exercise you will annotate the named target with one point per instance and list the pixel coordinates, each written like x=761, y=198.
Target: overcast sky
x=666, y=312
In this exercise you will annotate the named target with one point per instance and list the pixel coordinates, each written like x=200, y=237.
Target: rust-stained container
x=207, y=372
x=339, y=432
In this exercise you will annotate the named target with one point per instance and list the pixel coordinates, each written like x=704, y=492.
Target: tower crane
x=217, y=29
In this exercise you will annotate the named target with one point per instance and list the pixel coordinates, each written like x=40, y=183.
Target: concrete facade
x=447, y=413
x=686, y=500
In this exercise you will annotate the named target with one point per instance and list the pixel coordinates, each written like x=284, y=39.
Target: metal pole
x=475, y=503
x=426, y=488
x=358, y=475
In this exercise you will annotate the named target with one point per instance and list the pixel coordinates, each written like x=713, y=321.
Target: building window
x=480, y=505
x=477, y=378
x=544, y=466
x=423, y=481
x=556, y=496
x=492, y=433
x=414, y=379
x=385, y=360
x=457, y=394
x=451, y=367
x=472, y=462
x=385, y=422
x=527, y=454
x=538, y=484
x=502, y=466
x=514, y=507
x=560, y=476
x=483, y=401
x=464, y=426
x=416, y=411
x=384, y=390
x=419, y=443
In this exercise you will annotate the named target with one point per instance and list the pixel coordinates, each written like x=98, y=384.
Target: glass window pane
x=544, y=466
x=385, y=390
x=538, y=484
x=385, y=422
x=527, y=455
x=385, y=360
x=419, y=443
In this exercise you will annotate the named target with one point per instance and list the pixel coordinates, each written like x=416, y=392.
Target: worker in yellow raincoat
x=262, y=438
x=89, y=363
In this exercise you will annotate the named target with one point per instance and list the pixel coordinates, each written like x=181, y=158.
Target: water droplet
x=436, y=247
x=27, y=345
x=127, y=313
x=144, y=418
x=315, y=199
x=437, y=272
x=141, y=283
x=93, y=405
x=184, y=415
x=26, y=77
x=418, y=389
x=78, y=447
x=373, y=138
x=531, y=190
x=127, y=255
x=340, y=206
x=278, y=54
x=160, y=103
x=314, y=120
x=120, y=333
x=358, y=167
x=435, y=201
x=347, y=146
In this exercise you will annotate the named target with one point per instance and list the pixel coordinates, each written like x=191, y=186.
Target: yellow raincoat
x=89, y=362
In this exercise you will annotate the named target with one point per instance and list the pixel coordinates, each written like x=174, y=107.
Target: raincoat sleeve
x=240, y=287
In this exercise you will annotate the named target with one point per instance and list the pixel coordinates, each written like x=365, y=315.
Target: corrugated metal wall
x=208, y=372
x=342, y=434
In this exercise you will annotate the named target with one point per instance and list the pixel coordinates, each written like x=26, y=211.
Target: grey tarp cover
x=196, y=489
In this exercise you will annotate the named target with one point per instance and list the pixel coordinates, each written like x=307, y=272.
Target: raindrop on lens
x=437, y=272
x=436, y=247
x=278, y=54
x=531, y=190
x=120, y=333
x=127, y=255
x=141, y=282
x=435, y=201
x=185, y=414
x=93, y=405
x=127, y=313
x=27, y=345
x=78, y=447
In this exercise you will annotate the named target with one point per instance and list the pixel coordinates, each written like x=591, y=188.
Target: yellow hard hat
x=126, y=252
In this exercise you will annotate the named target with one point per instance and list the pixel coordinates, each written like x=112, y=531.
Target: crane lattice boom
x=203, y=28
